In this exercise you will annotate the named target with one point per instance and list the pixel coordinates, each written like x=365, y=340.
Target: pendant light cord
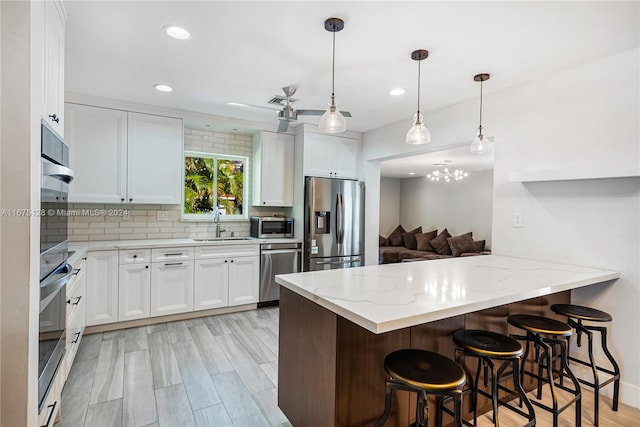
x=480, y=127
x=333, y=71
x=418, y=115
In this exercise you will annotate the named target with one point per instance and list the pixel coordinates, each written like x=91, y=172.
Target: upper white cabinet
x=123, y=157
x=53, y=64
x=328, y=156
x=273, y=169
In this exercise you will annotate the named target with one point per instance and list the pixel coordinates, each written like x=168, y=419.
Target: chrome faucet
x=216, y=219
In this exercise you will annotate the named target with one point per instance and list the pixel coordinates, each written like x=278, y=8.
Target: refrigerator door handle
x=339, y=219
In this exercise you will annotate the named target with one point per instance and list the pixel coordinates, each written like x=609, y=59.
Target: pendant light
x=480, y=145
x=332, y=121
x=418, y=134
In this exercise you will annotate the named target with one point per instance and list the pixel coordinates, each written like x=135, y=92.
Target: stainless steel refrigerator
x=333, y=224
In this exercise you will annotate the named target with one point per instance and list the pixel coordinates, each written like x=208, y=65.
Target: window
x=204, y=172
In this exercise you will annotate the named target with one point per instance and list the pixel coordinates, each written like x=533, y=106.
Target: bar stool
x=576, y=314
x=554, y=333
x=488, y=346
x=424, y=373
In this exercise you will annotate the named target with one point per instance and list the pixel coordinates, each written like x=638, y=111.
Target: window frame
x=245, y=189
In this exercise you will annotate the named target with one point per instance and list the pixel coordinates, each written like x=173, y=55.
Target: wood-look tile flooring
x=212, y=371
x=215, y=371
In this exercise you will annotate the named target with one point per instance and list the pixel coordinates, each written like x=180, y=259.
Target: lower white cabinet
x=244, y=280
x=171, y=287
x=102, y=287
x=50, y=412
x=76, y=312
x=134, y=291
x=211, y=288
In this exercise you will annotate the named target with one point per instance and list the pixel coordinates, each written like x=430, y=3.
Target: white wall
x=389, y=205
x=582, y=121
x=459, y=206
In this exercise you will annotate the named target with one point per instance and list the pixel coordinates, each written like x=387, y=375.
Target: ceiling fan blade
x=319, y=113
x=310, y=112
x=283, y=125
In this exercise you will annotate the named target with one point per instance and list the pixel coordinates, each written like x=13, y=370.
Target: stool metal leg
x=387, y=404
x=616, y=368
x=522, y=393
x=574, y=380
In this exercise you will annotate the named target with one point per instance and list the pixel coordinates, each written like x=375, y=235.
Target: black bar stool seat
x=576, y=314
x=545, y=333
x=424, y=372
x=488, y=346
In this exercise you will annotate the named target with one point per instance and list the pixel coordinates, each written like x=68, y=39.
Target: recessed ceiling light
x=412, y=173
x=163, y=88
x=177, y=32
x=396, y=92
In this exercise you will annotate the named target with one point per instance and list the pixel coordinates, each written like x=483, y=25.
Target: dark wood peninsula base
x=330, y=370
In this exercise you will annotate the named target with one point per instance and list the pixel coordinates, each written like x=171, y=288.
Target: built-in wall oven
x=54, y=269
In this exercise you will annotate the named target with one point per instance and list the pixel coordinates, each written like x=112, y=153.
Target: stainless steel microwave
x=271, y=227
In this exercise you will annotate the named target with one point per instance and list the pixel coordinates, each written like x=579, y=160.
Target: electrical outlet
x=161, y=215
x=518, y=220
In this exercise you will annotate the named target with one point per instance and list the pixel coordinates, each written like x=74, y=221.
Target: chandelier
x=447, y=175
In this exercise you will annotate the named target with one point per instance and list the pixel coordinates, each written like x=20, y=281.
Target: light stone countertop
x=83, y=247
x=388, y=297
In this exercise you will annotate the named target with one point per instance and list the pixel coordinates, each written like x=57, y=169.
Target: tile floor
x=212, y=371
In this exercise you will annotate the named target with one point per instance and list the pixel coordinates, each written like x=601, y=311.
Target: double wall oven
x=55, y=272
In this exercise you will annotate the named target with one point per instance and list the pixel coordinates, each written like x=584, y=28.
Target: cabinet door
x=243, y=280
x=347, y=158
x=134, y=292
x=171, y=288
x=155, y=159
x=97, y=139
x=53, y=103
x=102, y=287
x=211, y=288
x=319, y=155
x=273, y=170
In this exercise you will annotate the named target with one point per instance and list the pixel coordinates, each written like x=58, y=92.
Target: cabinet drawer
x=226, y=251
x=171, y=254
x=78, y=273
x=133, y=256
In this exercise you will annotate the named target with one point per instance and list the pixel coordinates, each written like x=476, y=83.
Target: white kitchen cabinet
x=76, y=312
x=154, y=167
x=97, y=139
x=53, y=65
x=211, y=287
x=273, y=169
x=329, y=156
x=134, y=291
x=123, y=157
x=50, y=412
x=244, y=275
x=102, y=287
x=230, y=272
x=171, y=287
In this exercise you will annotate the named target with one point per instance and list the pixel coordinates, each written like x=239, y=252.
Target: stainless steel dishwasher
x=276, y=258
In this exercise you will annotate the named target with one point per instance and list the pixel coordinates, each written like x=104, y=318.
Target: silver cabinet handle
x=175, y=254
x=169, y=264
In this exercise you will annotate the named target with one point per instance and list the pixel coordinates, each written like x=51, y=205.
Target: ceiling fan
x=288, y=113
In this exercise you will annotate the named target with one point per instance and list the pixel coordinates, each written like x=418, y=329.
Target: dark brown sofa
x=403, y=246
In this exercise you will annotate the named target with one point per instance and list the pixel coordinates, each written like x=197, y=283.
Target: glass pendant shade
x=418, y=134
x=332, y=121
x=480, y=145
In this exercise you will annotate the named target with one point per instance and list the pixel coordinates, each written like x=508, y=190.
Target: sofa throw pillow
x=409, y=238
x=382, y=241
x=461, y=244
x=395, y=238
x=423, y=241
x=440, y=244
x=479, y=244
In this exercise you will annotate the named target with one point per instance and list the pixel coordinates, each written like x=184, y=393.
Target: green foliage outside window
x=203, y=173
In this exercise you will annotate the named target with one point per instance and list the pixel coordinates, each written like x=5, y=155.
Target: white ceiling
x=246, y=51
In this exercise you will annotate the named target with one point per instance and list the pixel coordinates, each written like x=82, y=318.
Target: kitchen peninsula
x=337, y=326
